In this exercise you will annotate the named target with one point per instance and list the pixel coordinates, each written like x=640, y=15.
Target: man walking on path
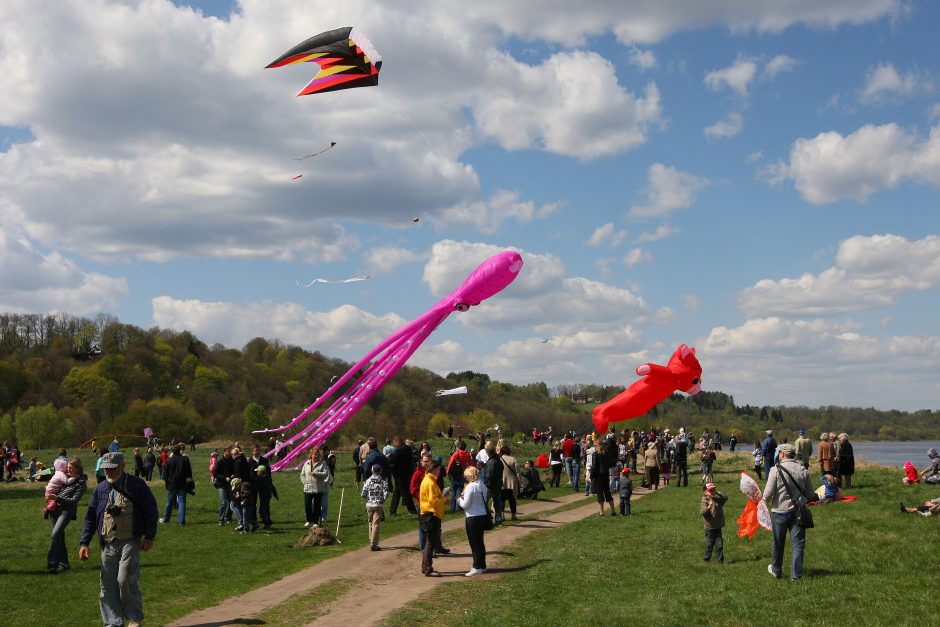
x=785, y=479
x=123, y=511
x=178, y=476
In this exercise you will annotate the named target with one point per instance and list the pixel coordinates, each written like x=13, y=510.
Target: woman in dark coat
x=846, y=461
x=68, y=497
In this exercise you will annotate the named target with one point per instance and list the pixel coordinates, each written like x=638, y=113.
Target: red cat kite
x=682, y=373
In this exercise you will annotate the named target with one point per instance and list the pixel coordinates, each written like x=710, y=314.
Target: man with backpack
x=460, y=460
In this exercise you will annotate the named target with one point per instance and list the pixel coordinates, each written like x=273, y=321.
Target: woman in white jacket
x=473, y=502
x=315, y=477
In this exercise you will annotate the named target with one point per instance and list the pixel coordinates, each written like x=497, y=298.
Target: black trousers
x=474, y=526
x=402, y=494
x=714, y=540
x=510, y=495
x=433, y=530
x=682, y=474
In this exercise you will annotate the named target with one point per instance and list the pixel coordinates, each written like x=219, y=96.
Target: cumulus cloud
x=606, y=235
x=385, y=259
x=661, y=232
x=870, y=273
x=345, y=328
x=667, y=189
x=488, y=215
x=727, y=127
x=884, y=83
x=571, y=104
x=642, y=59
x=780, y=63
x=34, y=281
x=735, y=77
x=635, y=256
x=690, y=301
x=831, y=166
x=665, y=315
x=806, y=362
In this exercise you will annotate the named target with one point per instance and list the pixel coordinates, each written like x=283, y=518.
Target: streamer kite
x=346, y=58
x=682, y=373
x=354, y=279
x=755, y=512
x=461, y=390
x=383, y=361
x=315, y=154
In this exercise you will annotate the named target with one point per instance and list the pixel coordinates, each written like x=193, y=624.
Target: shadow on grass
x=237, y=621
x=20, y=494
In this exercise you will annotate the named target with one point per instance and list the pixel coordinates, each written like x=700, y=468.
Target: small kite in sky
x=354, y=279
x=461, y=390
x=346, y=58
x=299, y=176
x=382, y=362
x=319, y=152
x=416, y=219
x=545, y=341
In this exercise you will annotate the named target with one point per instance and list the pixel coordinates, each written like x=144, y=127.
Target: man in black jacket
x=264, y=487
x=402, y=466
x=493, y=480
x=178, y=477
x=221, y=478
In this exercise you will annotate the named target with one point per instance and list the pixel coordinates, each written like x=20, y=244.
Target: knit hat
x=625, y=471
x=709, y=486
x=932, y=453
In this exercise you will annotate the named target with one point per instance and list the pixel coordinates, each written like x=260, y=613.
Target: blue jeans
x=456, y=487
x=179, y=496
x=58, y=551
x=783, y=524
x=575, y=476
x=225, y=502
x=120, y=596
x=423, y=539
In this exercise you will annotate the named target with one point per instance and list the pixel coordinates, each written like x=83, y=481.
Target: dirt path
x=399, y=561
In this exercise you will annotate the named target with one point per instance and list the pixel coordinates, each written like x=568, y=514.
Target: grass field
x=865, y=564
x=189, y=567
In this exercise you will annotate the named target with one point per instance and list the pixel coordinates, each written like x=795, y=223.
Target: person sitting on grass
x=929, y=508
x=931, y=473
x=829, y=491
x=713, y=514
x=530, y=481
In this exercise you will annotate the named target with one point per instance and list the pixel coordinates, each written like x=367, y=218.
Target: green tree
x=255, y=418
x=40, y=427
x=7, y=433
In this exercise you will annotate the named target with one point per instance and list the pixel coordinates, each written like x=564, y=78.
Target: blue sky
x=754, y=178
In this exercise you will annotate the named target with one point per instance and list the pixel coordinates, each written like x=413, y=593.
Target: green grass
x=305, y=608
x=189, y=568
x=865, y=563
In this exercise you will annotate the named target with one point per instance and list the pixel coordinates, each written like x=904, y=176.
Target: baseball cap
x=112, y=460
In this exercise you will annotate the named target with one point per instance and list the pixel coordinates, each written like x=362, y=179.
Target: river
x=894, y=453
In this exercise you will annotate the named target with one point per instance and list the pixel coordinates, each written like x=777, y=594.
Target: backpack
x=456, y=468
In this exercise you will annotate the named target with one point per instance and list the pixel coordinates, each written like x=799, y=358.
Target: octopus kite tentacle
x=489, y=278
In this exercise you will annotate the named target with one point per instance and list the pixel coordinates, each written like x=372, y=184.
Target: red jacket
x=566, y=445
x=416, y=479
x=463, y=457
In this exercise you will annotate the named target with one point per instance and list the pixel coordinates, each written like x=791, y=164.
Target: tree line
x=64, y=379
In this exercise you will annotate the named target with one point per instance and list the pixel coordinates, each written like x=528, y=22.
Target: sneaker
x=306, y=525
x=472, y=572
x=162, y=521
x=924, y=514
x=238, y=528
x=773, y=573
x=443, y=551
x=221, y=523
x=375, y=548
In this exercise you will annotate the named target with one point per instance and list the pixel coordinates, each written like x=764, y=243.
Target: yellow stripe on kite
x=336, y=69
x=307, y=57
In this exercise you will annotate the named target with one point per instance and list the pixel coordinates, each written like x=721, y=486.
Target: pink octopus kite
x=490, y=277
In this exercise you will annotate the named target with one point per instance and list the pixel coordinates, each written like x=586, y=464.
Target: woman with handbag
x=473, y=502
x=788, y=489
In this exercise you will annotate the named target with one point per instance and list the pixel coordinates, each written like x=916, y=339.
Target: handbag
x=804, y=517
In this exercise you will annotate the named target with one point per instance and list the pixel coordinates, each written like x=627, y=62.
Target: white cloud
x=662, y=232
x=345, y=328
x=667, y=189
x=884, y=82
x=690, y=301
x=934, y=112
x=870, y=273
x=829, y=166
x=635, y=256
x=735, y=77
x=807, y=362
x=608, y=235
x=642, y=59
x=754, y=157
x=665, y=315
x=571, y=104
x=488, y=215
x=385, y=259
x=727, y=127
x=36, y=282
x=569, y=24
x=780, y=63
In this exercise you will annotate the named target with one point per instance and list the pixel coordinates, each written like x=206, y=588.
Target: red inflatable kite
x=683, y=373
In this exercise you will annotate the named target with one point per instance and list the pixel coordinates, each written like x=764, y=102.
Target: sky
x=755, y=178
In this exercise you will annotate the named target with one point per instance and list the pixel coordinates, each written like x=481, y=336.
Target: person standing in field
x=769, y=451
x=785, y=479
x=651, y=463
x=122, y=512
x=473, y=502
x=626, y=491
x=804, y=448
x=846, y=461
x=67, y=499
x=432, y=514
x=713, y=513
x=758, y=454
x=824, y=454
x=375, y=491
